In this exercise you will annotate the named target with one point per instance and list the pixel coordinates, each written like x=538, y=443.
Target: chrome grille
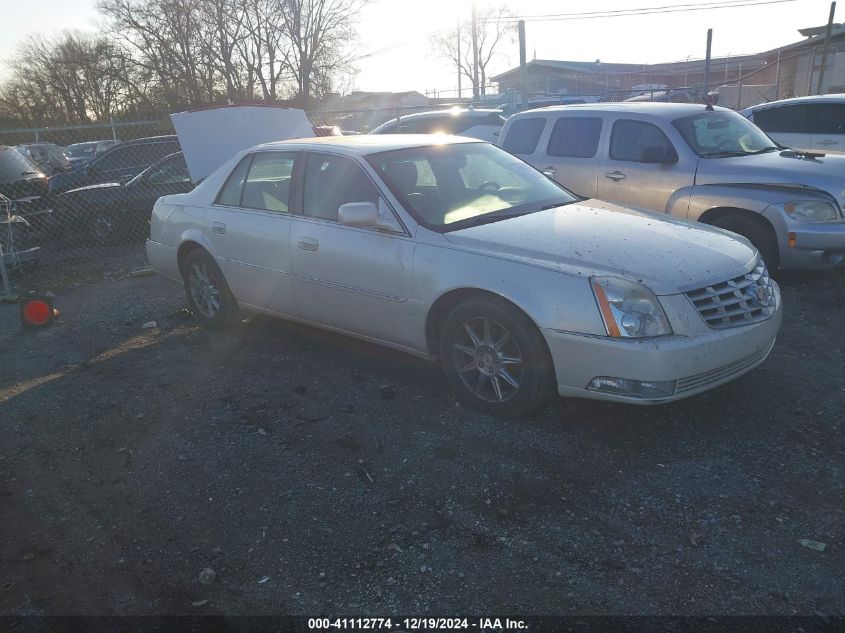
x=745, y=299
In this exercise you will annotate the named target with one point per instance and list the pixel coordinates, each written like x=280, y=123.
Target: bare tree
x=76, y=77
x=169, y=40
x=494, y=25
x=318, y=33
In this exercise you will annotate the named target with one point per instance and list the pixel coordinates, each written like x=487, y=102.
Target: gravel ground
x=315, y=474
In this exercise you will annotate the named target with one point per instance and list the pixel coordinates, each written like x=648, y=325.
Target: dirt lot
x=318, y=475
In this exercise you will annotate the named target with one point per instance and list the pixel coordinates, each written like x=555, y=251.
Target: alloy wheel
x=205, y=289
x=488, y=360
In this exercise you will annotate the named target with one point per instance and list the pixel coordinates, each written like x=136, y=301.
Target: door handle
x=218, y=227
x=827, y=141
x=549, y=171
x=308, y=244
x=615, y=175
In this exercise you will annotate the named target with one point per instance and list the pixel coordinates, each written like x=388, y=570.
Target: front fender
x=752, y=197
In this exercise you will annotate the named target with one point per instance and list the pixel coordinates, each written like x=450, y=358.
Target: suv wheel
x=763, y=240
x=495, y=358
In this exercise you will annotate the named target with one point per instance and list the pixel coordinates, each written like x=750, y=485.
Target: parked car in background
x=806, y=123
x=25, y=185
x=110, y=212
x=48, y=157
x=118, y=164
x=481, y=124
x=710, y=165
x=80, y=154
x=449, y=247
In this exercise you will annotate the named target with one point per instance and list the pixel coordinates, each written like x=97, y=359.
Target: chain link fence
x=75, y=201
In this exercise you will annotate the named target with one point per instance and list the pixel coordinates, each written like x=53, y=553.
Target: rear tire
x=495, y=358
x=762, y=239
x=211, y=301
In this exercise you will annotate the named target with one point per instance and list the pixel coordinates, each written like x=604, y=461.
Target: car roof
x=366, y=143
x=833, y=98
x=150, y=139
x=660, y=110
x=432, y=114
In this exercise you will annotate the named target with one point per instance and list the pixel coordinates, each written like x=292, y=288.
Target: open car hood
x=211, y=136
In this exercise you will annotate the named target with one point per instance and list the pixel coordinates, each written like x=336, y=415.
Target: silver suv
x=710, y=165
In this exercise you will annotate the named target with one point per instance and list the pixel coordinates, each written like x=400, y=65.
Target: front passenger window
x=332, y=181
x=630, y=138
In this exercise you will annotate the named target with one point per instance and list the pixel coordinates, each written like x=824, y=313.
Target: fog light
x=633, y=388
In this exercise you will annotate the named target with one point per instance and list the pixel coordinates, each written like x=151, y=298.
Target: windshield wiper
x=742, y=153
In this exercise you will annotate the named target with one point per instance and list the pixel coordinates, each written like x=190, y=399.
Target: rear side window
x=230, y=194
x=630, y=138
x=267, y=187
x=790, y=119
x=523, y=135
x=827, y=118
x=575, y=137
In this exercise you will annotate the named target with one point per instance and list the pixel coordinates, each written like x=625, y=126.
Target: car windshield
x=80, y=150
x=720, y=133
x=455, y=185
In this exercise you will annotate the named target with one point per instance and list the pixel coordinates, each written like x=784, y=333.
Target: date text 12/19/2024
x=416, y=624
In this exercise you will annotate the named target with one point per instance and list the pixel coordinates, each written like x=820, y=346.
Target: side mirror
x=659, y=155
x=368, y=215
x=363, y=214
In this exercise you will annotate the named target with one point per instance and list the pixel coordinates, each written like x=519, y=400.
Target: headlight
x=811, y=211
x=629, y=309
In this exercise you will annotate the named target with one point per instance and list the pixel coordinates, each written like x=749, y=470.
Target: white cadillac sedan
x=450, y=248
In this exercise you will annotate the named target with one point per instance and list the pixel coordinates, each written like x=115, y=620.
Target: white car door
x=354, y=279
x=827, y=123
x=786, y=124
x=630, y=173
x=249, y=229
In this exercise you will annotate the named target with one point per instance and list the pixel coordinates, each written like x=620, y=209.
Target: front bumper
x=697, y=363
x=814, y=245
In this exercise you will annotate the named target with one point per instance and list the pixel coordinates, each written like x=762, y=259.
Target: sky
x=396, y=52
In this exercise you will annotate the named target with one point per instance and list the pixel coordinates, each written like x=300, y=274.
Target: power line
x=621, y=13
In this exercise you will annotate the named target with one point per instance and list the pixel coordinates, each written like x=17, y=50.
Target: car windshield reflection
x=451, y=186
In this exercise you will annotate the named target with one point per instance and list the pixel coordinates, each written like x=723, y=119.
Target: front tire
x=495, y=358
x=762, y=239
x=211, y=301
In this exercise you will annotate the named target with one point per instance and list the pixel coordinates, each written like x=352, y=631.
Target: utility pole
x=707, y=64
x=523, y=68
x=458, y=35
x=824, y=47
x=475, y=87
x=777, y=78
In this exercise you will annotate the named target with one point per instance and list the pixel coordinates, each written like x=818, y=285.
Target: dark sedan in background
x=107, y=213
x=80, y=154
x=119, y=164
